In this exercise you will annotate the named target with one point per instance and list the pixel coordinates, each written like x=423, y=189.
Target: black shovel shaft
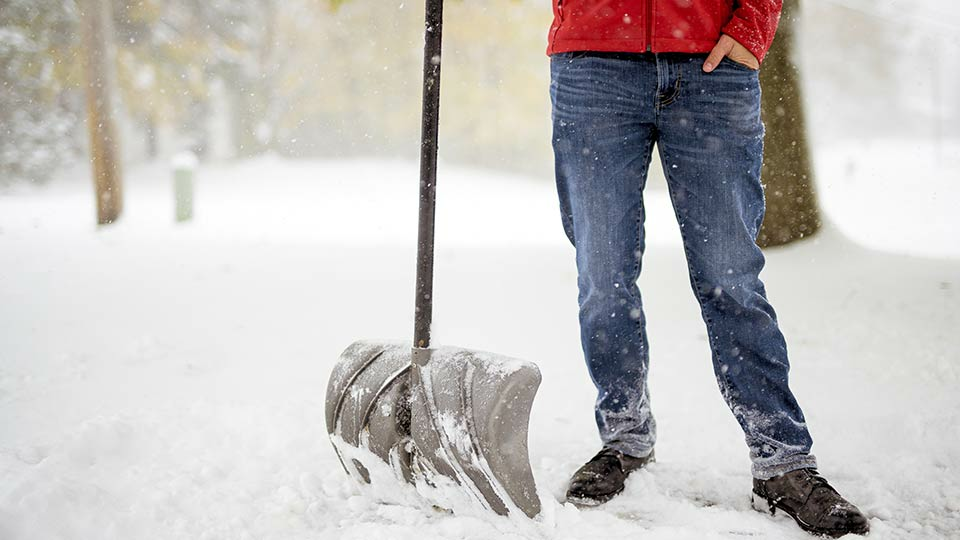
x=428, y=172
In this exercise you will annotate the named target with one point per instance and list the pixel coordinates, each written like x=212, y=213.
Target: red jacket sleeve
x=754, y=23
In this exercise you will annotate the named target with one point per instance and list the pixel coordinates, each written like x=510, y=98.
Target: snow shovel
x=435, y=415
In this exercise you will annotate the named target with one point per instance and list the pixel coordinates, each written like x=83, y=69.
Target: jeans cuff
x=631, y=447
x=793, y=463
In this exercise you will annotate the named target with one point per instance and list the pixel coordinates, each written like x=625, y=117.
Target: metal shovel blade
x=455, y=412
x=469, y=421
x=368, y=406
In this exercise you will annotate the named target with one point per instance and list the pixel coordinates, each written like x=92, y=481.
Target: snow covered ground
x=164, y=381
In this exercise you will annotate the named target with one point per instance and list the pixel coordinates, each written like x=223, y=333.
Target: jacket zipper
x=649, y=25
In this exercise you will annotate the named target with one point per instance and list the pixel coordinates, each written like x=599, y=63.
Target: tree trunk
x=792, y=211
x=104, y=155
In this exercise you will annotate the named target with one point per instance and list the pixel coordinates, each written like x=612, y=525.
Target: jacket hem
x=638, y=45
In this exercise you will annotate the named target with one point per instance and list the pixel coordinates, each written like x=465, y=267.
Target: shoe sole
x=584, y=503
x=760, y=504
x=590, y=502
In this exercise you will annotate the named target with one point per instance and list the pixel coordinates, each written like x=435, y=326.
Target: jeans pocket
x=726, y=60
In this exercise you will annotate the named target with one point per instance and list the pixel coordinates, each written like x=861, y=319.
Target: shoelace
x=812, y=476
x=819, y=482
x=611, y=454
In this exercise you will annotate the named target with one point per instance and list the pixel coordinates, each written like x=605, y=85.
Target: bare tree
x=105, y=156
x=792, y=210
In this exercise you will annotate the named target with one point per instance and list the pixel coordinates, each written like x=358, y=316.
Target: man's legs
x=607, y=113
x=603, y=134
x=711, y=145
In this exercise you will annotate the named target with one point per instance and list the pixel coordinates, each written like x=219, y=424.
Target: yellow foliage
x=360, y=65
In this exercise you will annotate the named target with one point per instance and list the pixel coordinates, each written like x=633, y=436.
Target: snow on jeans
x=608, y=110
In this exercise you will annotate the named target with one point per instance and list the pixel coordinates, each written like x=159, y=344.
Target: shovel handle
x=430, y=120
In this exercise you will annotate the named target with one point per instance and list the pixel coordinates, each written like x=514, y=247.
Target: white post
x=184, y=166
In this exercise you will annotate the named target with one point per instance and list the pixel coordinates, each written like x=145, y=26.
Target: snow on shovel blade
x=451, y=413
x=470, y=416
x=368, y=406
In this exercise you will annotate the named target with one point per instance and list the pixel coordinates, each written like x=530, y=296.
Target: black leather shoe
x=806, y=496
x=601, y=478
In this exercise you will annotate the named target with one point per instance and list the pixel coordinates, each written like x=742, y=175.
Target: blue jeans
x=608, y=110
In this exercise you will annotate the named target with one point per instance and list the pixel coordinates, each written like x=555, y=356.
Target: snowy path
x=167, y=382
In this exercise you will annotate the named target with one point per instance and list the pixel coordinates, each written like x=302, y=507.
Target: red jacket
x=691, y=26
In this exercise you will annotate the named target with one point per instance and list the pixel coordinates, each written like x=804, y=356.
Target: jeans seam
x=675, y=94
x=656, y=97
x=637, y=252
x=693, y=277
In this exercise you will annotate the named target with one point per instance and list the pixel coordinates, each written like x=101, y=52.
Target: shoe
x=806, y=496
x=601, y=478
